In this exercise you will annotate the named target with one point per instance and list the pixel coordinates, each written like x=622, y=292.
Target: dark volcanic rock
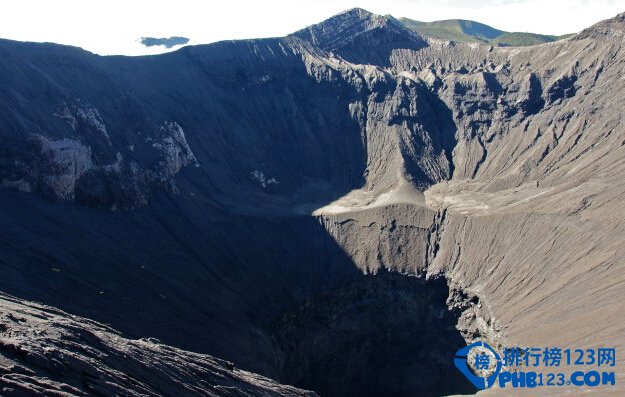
x=67, y=356
x=386, y=334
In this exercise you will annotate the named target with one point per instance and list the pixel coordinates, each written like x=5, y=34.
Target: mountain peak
x=334, y=31
x=360, y=36
x=358, y=12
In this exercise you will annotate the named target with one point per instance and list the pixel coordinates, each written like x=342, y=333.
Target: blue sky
x=113, y=26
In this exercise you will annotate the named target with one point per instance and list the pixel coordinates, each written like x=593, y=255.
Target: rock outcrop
x=83, y=165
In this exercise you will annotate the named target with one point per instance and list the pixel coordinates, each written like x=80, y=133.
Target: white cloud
x=112, y=27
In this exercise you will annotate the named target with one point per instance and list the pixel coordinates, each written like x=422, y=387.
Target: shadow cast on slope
x=223, y=287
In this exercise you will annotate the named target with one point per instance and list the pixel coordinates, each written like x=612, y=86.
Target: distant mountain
x=464, y=31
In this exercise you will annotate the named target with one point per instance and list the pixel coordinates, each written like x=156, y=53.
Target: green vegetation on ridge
x=464, y=31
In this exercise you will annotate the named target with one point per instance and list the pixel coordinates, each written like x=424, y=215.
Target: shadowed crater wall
x=381, y=335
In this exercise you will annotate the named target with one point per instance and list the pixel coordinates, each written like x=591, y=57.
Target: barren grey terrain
x=324, y=209
x=48, y=352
